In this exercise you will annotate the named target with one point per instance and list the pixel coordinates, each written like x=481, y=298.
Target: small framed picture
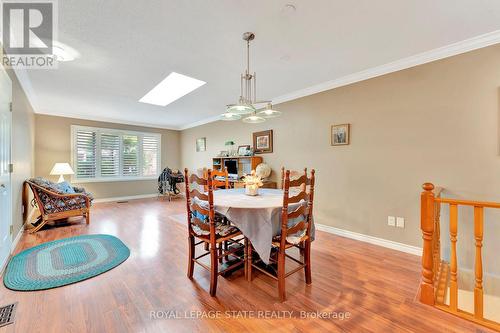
x=340, y=134
x=243, y=150
x=263, y=142
x=201, y=144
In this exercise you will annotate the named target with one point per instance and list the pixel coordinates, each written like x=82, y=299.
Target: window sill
x=110, y=180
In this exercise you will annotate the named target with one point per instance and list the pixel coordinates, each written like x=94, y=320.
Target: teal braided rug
x=64, y=261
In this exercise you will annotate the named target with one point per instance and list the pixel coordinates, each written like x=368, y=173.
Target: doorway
x=5, y=166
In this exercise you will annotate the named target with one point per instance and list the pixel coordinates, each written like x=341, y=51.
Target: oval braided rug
x=64, y=261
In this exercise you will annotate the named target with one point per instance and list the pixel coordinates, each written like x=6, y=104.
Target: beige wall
x=53, y=144
x=436, y=122
x=23, y=135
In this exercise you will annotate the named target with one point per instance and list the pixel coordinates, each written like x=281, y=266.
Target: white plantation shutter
x=110, y=155
x=130, y=164
x=101, y=154
x=86, y=146
x=150, y=148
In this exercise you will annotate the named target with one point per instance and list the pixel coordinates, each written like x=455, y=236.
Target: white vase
x=251, y=189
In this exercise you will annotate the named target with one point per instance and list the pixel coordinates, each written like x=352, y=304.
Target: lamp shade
x=269, y=112
x=62, y=169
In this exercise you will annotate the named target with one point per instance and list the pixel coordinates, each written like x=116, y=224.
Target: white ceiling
x=128, y=46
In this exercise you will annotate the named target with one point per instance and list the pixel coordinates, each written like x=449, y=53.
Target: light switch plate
x=400, y=222
x=391, y=221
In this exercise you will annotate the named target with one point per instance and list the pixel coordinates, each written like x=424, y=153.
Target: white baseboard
x=370, y=239
x=16, y=240
x=12, y=248
x=131, y=197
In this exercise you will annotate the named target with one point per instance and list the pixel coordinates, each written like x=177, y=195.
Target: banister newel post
x=427, y=225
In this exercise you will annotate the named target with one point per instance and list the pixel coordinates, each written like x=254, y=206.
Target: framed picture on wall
x=201, y=144
x=263, y=142
x=243, y=150
x=340, y=134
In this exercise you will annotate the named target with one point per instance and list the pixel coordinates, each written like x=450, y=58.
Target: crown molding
x=447, y=51
x=405, y=63
x=106, y=120
x=200, y=122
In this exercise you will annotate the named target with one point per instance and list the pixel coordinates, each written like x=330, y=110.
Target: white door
x=5, y=160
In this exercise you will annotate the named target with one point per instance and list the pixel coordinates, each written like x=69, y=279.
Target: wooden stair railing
x=435, y=271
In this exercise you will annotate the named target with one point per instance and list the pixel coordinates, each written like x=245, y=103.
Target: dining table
x=258, y=217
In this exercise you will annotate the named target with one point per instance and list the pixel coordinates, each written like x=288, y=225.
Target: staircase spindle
x=453, y=259
x=437, y=242
x=478, y=289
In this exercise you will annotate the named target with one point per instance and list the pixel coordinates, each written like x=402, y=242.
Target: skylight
x=173, y=87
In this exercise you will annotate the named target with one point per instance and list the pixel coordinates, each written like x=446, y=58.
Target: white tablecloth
x=258, y=217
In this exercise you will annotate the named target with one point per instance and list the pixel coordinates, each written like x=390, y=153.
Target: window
x=101, y=154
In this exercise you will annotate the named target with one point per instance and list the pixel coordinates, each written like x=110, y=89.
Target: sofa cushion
x=65, y=187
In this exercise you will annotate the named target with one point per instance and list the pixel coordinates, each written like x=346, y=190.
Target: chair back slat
x=301, y=226
x=301, y=210
x=200, y=224
x=197, y=194
x=299, y=181
x=195, y=179
x=199, y=209
x=298, y=198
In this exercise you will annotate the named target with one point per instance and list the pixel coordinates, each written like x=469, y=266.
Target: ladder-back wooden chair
x=217, y=182
x=295, y=231
x=202, y=226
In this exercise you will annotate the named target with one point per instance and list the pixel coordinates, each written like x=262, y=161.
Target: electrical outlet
x=400, y=222
x=391, y=221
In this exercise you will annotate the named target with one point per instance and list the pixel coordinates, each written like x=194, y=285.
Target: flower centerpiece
x=252, y=183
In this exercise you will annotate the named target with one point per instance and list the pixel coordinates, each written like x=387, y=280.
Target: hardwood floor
x=377, y=286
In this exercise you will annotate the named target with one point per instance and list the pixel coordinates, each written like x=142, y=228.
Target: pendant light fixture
x=253, y=119
x=269, y=112
x=246, y=103
x=228, y=116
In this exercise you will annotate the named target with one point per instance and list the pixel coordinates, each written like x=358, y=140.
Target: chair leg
x=87, y=217
x=220, y=253
x=250, y=261
x=226, y=247
x=39, y=226
x=307, y=261
x=214, y=269
x=191, y=256
x=245, y=257
x=281, y=274
x=301, y=250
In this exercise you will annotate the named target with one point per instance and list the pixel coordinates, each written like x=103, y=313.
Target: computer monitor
x=232, y=168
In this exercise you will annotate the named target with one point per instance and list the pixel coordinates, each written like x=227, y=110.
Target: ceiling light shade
x=173, y=87
x=269, y=112
x=228, y=116
x=253, y=119
x=240, y=108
